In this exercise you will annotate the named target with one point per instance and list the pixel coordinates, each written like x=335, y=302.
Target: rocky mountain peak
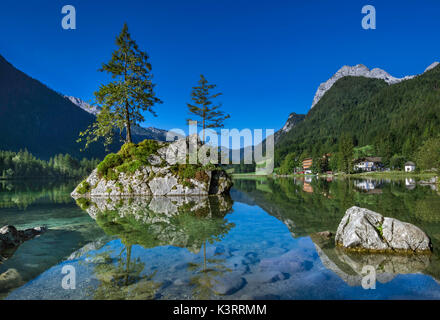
x=291, y=122
x=139, y=133
x=293, y=119
x=84, y=105
x=432, y=66
x=358, y=70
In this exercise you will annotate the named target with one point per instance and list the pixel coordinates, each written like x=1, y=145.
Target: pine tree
x=125, y=98
x=203, y=108
x=345, y=154
x=289, y=164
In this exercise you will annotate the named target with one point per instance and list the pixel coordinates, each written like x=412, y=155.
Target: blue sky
x=267, y=57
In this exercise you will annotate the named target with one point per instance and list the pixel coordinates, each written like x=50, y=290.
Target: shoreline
x=374, y=175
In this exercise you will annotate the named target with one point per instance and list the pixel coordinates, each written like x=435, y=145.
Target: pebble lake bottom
x=264, y=246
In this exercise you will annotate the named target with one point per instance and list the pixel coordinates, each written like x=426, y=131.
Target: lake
x=259, y=243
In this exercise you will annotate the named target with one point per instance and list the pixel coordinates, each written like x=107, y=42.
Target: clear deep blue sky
x=267, y=57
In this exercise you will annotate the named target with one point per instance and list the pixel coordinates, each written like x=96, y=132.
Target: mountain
x=291, y=122
x=36, y=118
x=139, y=133
x=395, y=116
x=356, y=71
x=84, y=105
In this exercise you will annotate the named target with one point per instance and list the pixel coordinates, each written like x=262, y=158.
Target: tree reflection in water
x=185, y=222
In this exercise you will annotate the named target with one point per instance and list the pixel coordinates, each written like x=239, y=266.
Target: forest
x=22, y=164
x=395, y=121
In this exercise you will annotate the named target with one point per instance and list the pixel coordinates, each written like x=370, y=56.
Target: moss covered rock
x=153, y=168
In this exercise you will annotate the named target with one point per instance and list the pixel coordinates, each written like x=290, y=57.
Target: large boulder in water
x=153, y=168
x=350, y=265
x=363, y=229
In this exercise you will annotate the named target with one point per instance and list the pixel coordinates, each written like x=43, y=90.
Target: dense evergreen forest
x=22, y=164
x=394, y=120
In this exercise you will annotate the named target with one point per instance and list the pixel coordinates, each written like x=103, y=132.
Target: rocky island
x=153, y=168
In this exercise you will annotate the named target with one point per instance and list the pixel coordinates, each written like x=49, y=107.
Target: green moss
x=129, y=159
x=83, y=203
x=127, y=151
x=145, y=148
x=187, y=172
x=120, y=186
x=111, y=161
x=111, y=175
x=380, y=229
x=187, y=183
x=109, y=190
x=84, y=187
x=129, y=167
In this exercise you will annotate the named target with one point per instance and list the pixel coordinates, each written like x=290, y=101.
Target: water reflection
x=192, y=248
x=349, y=266
x=369, y=186
x=123, y=279
x=410, y=183
x=21, y=194
x=306, y=213
x=32, y=203
x=184, y=222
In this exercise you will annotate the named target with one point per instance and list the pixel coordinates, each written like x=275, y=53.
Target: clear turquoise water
x=261, y=244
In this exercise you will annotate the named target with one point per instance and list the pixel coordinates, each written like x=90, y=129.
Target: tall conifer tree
x=125, y=98
x=203, y=108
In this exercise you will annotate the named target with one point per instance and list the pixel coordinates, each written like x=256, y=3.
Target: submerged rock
x=9, y=279
x=10, y=237
x=363, y=229
x=154, y=169
x=229, y=284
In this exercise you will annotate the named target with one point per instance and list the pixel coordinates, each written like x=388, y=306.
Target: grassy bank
x=251, y=175
x=365, y=175
x=394, y=174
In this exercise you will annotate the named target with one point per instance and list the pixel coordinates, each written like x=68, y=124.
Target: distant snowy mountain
x=357, y=71
x=84, y=105
x=139, y=133
x=432, y=66
x=360, y=71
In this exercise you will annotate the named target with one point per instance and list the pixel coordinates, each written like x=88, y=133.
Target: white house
x=410, y=166
x=368, y=164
